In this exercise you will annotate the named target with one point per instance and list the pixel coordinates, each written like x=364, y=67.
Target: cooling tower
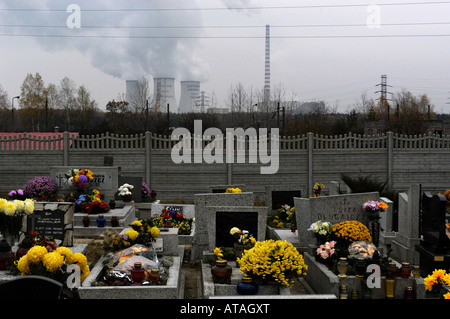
x=190, y=94
x=131, y=90
x=164, y=93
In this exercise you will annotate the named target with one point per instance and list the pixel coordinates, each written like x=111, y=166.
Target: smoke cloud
x=127, y=51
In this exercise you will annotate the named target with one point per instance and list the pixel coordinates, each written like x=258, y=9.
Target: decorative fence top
x=62, y=141
x=34, y=141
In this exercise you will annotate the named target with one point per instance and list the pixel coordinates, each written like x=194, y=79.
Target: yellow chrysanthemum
x=67, y=253
x=29, y=206
x=2, y=204
x=10, y=208
x=22, y=265
x=279, y=260
x=36, y=253
x=137, y=223
x=351, y=231
x=85, y=271
x=155, y=232
x=20, y=205
x=132, y=234
x=80, y=260
x=218, y=253
x=438, y=277
x=53, y=261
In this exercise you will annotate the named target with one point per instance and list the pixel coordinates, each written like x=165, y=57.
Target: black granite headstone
x=47, y=223
x=137, y=184
x=434, y=219
x=284, y=198
x=227, y=220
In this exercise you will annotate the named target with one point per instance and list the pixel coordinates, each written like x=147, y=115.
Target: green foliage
x=363, y=184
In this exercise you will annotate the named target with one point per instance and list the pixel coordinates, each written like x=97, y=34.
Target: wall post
x=390, y=148
x=310, y=163
x=148, y=158
x=66, y=145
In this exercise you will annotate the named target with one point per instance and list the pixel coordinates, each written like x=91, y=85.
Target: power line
x=231, y=8
x=225, y=37
x=225, y=26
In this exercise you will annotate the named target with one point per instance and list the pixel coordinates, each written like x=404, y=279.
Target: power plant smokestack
x=164, y=93
x=267, y=66
x=190, y=94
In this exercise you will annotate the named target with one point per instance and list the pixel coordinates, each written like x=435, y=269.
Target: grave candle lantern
x=101, y=221
x=390, y=286
x=343, y=292
x=6, y=255
x=112, y=203
x=342, y=267
x=154, y=275
x=86, y=221
x=247, y=286
x=360, y=267
x=137, y=272
x=409, y=293
x=416, y=271
x=114, y=221
x=405, y=271
x=392, y=268
x=221, y=272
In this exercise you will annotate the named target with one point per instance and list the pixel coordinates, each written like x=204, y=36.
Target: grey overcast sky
x=320, y=50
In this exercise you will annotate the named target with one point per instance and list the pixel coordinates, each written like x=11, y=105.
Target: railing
x=107, y=141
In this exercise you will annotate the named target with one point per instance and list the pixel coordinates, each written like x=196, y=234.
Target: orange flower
x=383, y=205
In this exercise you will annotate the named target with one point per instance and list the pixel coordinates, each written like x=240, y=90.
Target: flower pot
x=127, y=198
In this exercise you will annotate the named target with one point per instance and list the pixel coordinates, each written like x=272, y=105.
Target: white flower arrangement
x=125, y=189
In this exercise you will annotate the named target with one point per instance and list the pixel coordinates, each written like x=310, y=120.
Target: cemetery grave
x=333, y=246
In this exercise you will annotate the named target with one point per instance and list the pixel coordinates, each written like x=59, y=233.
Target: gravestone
x=105, y=179
x=223, y=218
x=333, y=209
x=387, y=234
x=53, y=220
x=200, y=241
x=277, y=195
x=188, y=210
x=407, y=236
x=434, y=220
x=434, y=249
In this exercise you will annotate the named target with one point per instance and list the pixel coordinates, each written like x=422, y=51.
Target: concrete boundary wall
x=303, y=160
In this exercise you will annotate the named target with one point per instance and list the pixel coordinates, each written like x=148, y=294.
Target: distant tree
x=33, y=96
x=413, y=111
x=67, y=89
x=85, y=110
x=118, y=116
x=5, y=103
